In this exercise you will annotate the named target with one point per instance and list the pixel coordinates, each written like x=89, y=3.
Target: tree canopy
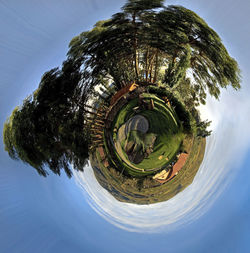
x=48, y=129
x=152, y=43
x=146, y=42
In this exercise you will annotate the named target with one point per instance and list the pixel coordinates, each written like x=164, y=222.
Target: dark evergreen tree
x=48, y=129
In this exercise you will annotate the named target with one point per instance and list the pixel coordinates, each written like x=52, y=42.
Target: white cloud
x=224, y=153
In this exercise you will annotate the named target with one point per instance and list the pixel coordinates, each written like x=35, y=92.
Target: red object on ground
x=176, y=168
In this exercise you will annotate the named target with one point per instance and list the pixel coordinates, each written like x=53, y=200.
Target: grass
x=126, y=189
x=163, y=123
x=137, y=185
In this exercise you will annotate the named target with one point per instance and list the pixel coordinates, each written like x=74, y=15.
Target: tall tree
x=137, y=43
x=210, y=64
x=47, y=131
x=145, y=42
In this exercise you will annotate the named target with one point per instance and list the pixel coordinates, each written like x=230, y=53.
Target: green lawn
x=137, y=186
x=164, y=124
x=126, y=189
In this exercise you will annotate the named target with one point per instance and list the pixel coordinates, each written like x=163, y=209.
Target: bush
x=180, y=109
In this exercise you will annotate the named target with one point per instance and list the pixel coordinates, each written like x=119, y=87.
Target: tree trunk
x=156, y=65
x=147, y=61
x=135, y=50
x=151, y=67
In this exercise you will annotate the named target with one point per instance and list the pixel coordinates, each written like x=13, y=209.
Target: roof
x=179, y=164
x=123, y=91
x=176, y=168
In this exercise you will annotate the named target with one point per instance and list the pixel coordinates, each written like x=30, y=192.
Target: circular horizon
x=213, y=176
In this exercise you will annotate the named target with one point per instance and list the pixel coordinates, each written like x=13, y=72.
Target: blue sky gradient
x=51, y=214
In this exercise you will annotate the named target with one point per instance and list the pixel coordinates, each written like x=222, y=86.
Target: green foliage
x=211, y=65
x=202, y=128
x=135, y=44
x=135, y=6
x=8, y=136
x=191, y=95
x=176, y=70
x=48, y=129
x=171, y=47
x=180, y=109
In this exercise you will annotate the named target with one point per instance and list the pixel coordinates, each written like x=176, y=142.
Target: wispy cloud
x=224, y=152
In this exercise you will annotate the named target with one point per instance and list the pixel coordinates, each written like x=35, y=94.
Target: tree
x=48, y=129
x=202, y=128
x=211, y=66
x=115, y=47
x=146, y=37
x=171, y=47
x=8, y=137
x=190, y=94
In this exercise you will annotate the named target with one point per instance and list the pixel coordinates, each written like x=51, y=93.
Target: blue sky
x=52, y=214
